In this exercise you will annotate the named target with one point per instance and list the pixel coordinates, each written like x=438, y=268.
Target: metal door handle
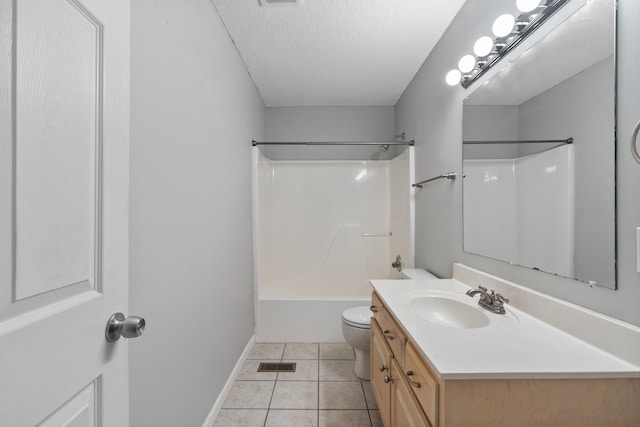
x=634, y=147
x=118, y=326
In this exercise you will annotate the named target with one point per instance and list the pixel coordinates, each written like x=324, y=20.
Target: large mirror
x=539, y=153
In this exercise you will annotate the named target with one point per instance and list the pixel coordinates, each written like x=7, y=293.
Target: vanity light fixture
x=503, y=25
x=526, y=6
x=483, y=46
x=509, y=32
x=467, y=63
x=453, y=77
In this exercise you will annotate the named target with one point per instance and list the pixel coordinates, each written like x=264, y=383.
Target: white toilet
x=356, y=326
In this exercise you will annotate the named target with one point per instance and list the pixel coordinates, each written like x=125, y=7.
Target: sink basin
x=451, y=310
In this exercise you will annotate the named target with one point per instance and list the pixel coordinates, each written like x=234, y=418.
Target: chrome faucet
x=491, y=301
x=397, y=264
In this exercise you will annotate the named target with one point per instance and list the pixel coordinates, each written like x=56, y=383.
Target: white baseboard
x=217, y=406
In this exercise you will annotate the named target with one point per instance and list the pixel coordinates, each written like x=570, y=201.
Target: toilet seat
x=357, y=317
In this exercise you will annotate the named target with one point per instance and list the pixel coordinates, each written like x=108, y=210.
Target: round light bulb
x=453, y=77
x=483, y=46
x=503, y=25
x=527, y=5
x=467, y=63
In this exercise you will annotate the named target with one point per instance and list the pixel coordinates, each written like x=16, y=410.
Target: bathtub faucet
x=397, y=264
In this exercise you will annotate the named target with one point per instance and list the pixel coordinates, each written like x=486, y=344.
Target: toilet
x=356, y=326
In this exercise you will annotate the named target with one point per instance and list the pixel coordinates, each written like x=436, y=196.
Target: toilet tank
x=416, y=274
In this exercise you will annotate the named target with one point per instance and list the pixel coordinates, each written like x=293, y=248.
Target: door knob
x=118, y=326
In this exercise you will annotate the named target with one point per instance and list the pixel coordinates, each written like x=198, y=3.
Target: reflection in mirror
x=535, y=203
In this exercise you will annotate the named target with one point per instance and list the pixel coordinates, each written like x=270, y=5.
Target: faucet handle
x=499, y=298
x=482, y=288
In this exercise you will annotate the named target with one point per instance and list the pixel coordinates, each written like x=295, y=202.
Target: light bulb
x=453, y=77
x=467, y=63
x=503, y=25
x=483, y=46
x=527, y=5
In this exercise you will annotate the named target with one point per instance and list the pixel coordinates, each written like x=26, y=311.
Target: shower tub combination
x=322, y=229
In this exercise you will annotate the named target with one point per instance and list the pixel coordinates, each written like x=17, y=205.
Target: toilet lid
x=359, y=316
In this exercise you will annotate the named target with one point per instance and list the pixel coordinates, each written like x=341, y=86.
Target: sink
x=453, y=310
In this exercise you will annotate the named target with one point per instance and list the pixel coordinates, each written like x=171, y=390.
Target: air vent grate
x=279, y=2
x=276, y=367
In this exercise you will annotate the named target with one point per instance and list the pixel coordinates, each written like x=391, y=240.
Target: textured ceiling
x=335, y=52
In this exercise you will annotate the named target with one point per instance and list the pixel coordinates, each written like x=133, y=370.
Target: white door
x=64, y=106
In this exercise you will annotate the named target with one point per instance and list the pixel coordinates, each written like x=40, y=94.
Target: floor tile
x=343, y=418
x=267, y=350
x=337, y=370
x=341, y=395
x=369, y=396
x=324, y=390
x=336, y=351
x=241, y=418
x=249, y=371
x=301, y=351
x=306, y=370
x=250, y=395
x=295, y=395
x=292, y=418
x=376, y=421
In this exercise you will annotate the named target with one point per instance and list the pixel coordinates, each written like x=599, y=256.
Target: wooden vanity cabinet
x=397, y=402
x=397, y=367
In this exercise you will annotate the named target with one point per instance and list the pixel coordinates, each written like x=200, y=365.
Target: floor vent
x=276, y=367
x=268, y=3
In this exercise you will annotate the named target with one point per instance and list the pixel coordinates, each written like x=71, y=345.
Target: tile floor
x=323, y=392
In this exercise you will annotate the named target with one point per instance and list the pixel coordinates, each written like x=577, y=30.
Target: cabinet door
x=405, y=409
x=380, y=375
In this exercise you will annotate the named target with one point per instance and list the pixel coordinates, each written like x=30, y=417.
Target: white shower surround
x=523, y=230
x=321, y=233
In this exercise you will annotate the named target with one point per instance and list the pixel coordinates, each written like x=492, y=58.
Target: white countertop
x=515, y=345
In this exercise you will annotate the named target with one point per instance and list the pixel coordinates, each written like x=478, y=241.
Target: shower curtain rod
x=524, y=141
x=254, y=143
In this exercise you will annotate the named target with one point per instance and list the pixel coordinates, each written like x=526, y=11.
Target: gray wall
x=582, y=107
x=329, y=124
x=431, y=112
x=194, y=111
x=490, y=123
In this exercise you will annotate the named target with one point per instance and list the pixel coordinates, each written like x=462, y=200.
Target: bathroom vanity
x=438, y=359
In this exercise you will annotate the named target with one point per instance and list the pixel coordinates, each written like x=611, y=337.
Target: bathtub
x=322, y=229
x=311, y=317
x=306, y=311
x=300, y=319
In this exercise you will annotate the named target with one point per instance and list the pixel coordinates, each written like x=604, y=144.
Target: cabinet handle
x=373, y=308
x=388, y=379
x=382, y=368
x=413, y=383
x=386, y=334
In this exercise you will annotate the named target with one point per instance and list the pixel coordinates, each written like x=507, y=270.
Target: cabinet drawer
x=393, y=334
x=422, y=382
x=405, y=410
x=376, y=306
